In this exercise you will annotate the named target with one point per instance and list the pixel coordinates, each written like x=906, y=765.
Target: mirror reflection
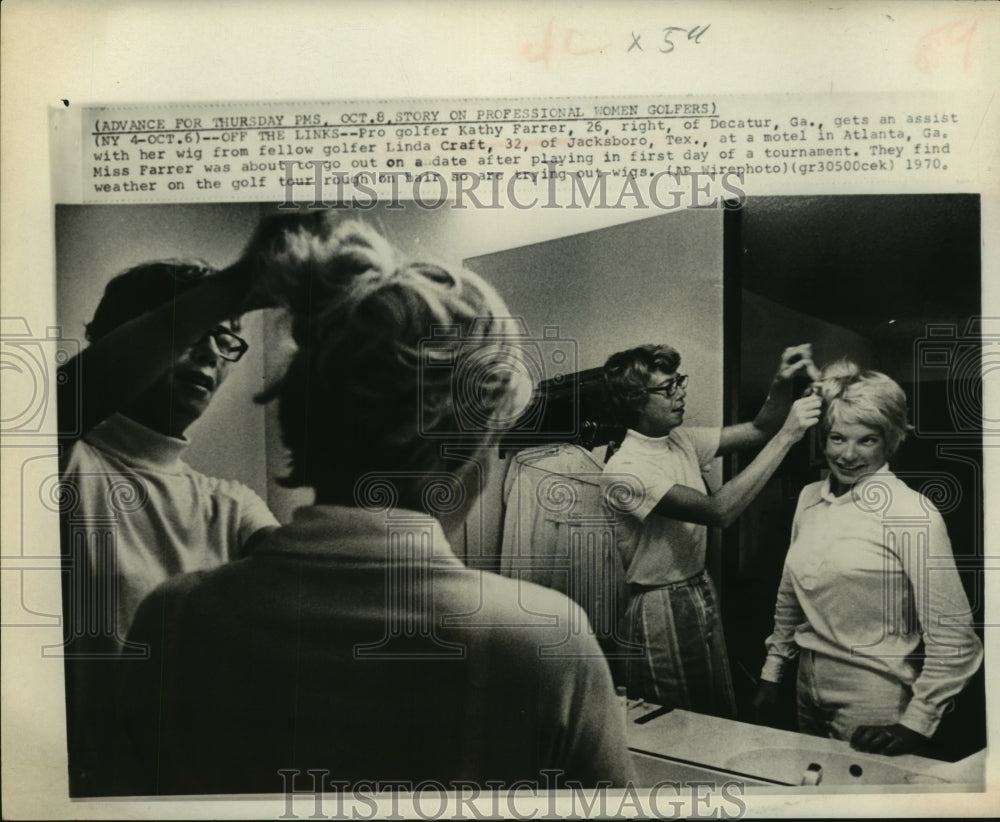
x=493, y=494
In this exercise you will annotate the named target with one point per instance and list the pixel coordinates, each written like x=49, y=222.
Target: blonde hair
x=855, y=395
x=396, y=359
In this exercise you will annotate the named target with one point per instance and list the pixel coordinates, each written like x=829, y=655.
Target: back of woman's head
x=855, y=395
x=395, y=362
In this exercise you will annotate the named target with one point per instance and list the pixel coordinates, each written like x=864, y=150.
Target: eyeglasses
x=231, y=346
x=669, y=388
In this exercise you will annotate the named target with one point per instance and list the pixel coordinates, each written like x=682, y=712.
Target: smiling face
x=661, y=414
x=853, y=451
x=182, y=393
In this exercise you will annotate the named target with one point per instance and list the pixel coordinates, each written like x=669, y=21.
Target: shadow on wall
x=893, y=282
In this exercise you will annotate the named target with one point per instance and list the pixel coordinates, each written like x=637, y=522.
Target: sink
x=798, y=766
x=683, y=746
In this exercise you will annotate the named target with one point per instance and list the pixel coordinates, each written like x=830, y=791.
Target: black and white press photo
x=355, y=501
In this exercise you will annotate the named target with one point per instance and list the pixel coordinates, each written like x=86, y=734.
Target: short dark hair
x=142, y=288
x=626, y=377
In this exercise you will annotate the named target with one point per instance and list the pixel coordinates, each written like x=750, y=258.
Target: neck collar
x=136, y=443
x=346, y=532
x=826, y=490
x=644, y=438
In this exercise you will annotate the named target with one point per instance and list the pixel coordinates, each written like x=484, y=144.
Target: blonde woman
x=870, y=600
x=353, y=641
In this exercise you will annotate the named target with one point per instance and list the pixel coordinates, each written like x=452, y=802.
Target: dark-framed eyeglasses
x=669, y=388
x=231, y=346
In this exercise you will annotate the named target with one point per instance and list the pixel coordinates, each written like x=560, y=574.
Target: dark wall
x=893, y=282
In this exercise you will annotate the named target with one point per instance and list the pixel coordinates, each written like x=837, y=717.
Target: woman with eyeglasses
x=654, y=488
x=162, y=341
x=870, y=601
x=354, y=643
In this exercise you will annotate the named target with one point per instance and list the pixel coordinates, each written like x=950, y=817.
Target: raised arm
x=119, y=366
x=726, y=504
x=795, y=361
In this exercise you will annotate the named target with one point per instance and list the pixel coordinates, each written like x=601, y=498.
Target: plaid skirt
x=683, y=663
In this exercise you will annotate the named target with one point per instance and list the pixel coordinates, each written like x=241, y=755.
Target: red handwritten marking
x=535, y=52
x=571, y=33
x=983, y=118
x=933, y=47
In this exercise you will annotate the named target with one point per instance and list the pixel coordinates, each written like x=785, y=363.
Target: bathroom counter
x=680, y=745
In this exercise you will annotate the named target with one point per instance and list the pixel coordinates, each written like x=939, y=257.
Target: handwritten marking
x=565, y=42
x=667, y=33
x=937, y=42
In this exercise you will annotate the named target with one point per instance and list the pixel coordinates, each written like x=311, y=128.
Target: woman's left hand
x=891, y=740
